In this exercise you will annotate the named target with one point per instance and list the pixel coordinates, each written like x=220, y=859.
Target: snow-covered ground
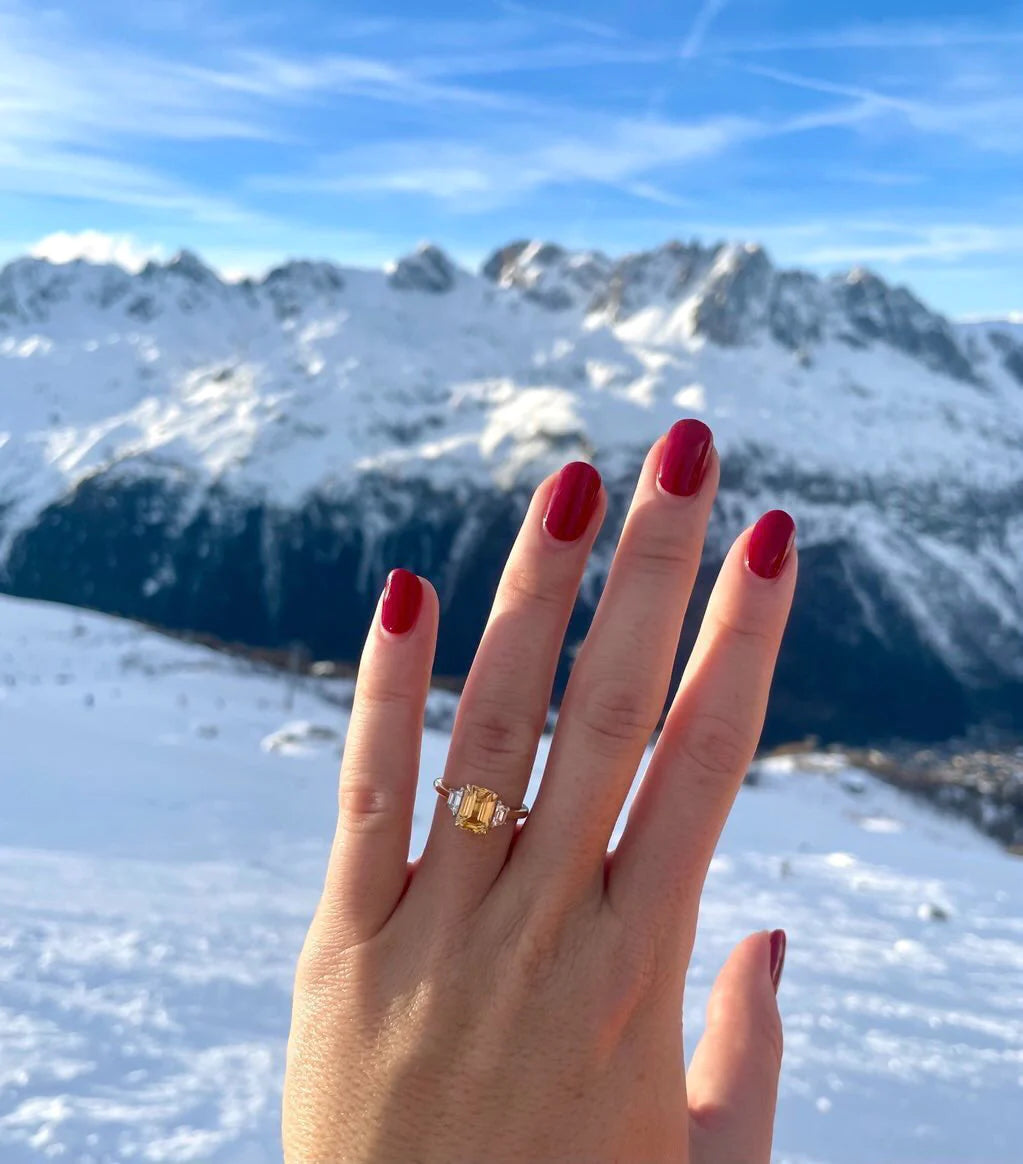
x=161, y=845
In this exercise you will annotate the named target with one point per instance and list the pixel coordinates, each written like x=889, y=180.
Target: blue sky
x=891, y=135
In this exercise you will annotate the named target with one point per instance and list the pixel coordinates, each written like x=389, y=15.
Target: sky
x=886, y=134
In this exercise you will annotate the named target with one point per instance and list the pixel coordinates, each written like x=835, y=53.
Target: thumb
x=733, y=1079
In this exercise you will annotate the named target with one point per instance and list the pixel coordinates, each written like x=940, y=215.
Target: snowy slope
x=320, y=373
x=161, y=847
x=209, y=455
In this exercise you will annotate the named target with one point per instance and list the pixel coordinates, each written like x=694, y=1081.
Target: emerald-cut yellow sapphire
x=475, y=809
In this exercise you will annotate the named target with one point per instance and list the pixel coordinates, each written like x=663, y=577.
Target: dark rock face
x=547, y=274
x=734, y=303
x=1014, y=363
x=428, y=269
x=502, y=262
x=1012, y=355
x=292, y=286
x=247, y=573
x=893, y=315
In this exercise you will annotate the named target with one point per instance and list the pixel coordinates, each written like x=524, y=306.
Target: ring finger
x=503, y=708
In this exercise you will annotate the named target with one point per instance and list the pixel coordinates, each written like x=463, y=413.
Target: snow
x=301, y=382
x=167, y=812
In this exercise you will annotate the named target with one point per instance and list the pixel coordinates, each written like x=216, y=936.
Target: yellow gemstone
x=476, y=809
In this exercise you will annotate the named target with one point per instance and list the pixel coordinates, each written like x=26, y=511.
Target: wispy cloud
x=990, y=122
x=65, y=172
x=706, y=15
x=68, y=110
x=474, y=177
x=649, y=192
x=277, y=77
x=54, y=87
x=939, y=241
x=866, y=176
x=71, y=109
x=479, y=176
x=877, y=36
x=690, y=47
x=549, y=17
x=538, y=58
x=833, y=88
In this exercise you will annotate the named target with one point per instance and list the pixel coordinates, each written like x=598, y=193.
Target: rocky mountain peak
x=187, y=265
x=293, y=286
x=728, y=294
x=428, y=268
x=732, y=293
x=734, y=299
x=32, y=289
x=548, y=274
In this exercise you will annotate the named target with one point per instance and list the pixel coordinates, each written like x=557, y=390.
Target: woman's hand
x=517, y=995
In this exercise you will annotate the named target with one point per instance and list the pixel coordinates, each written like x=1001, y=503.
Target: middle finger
x=619, y=682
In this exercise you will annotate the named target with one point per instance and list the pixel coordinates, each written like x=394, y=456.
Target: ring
x=477, y=809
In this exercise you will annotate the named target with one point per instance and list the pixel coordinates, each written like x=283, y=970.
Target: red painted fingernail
x=684, y=457
x=403, y=596
x=778, y=944
x=572, y=501
x=769, y=543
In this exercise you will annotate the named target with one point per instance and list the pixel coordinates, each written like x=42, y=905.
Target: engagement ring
x=477, y=809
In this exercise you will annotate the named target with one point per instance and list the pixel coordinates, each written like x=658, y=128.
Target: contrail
x=689, y=48
x=701, y=24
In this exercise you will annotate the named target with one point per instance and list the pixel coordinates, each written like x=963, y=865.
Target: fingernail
x=778, y=944
x=684, y=457
x=572, y=502
x=403, y=596
x=769, y=543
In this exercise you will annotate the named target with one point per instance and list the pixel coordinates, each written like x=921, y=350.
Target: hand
x=517, y=996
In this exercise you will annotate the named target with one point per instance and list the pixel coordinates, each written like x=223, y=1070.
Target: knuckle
x=715, y=746
x=366, y=807
x=522, y=586
x=745, y=631
x=765, y=1036
x=537, y=953
x=497, y=737
x=539, y=945
x=379, y=696
x=712, y=1116
x=615, y=713
x=533, y=936
x=662, y=552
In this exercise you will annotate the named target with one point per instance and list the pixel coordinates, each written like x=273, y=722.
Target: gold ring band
x=477, y=809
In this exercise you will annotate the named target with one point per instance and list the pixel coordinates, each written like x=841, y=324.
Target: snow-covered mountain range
x=249, y=459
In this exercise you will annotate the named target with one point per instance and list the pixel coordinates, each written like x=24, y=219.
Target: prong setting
x=477, y=809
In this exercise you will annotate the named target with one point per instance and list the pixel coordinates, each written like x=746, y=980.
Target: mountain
x=165, y=842
x=249, y=459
